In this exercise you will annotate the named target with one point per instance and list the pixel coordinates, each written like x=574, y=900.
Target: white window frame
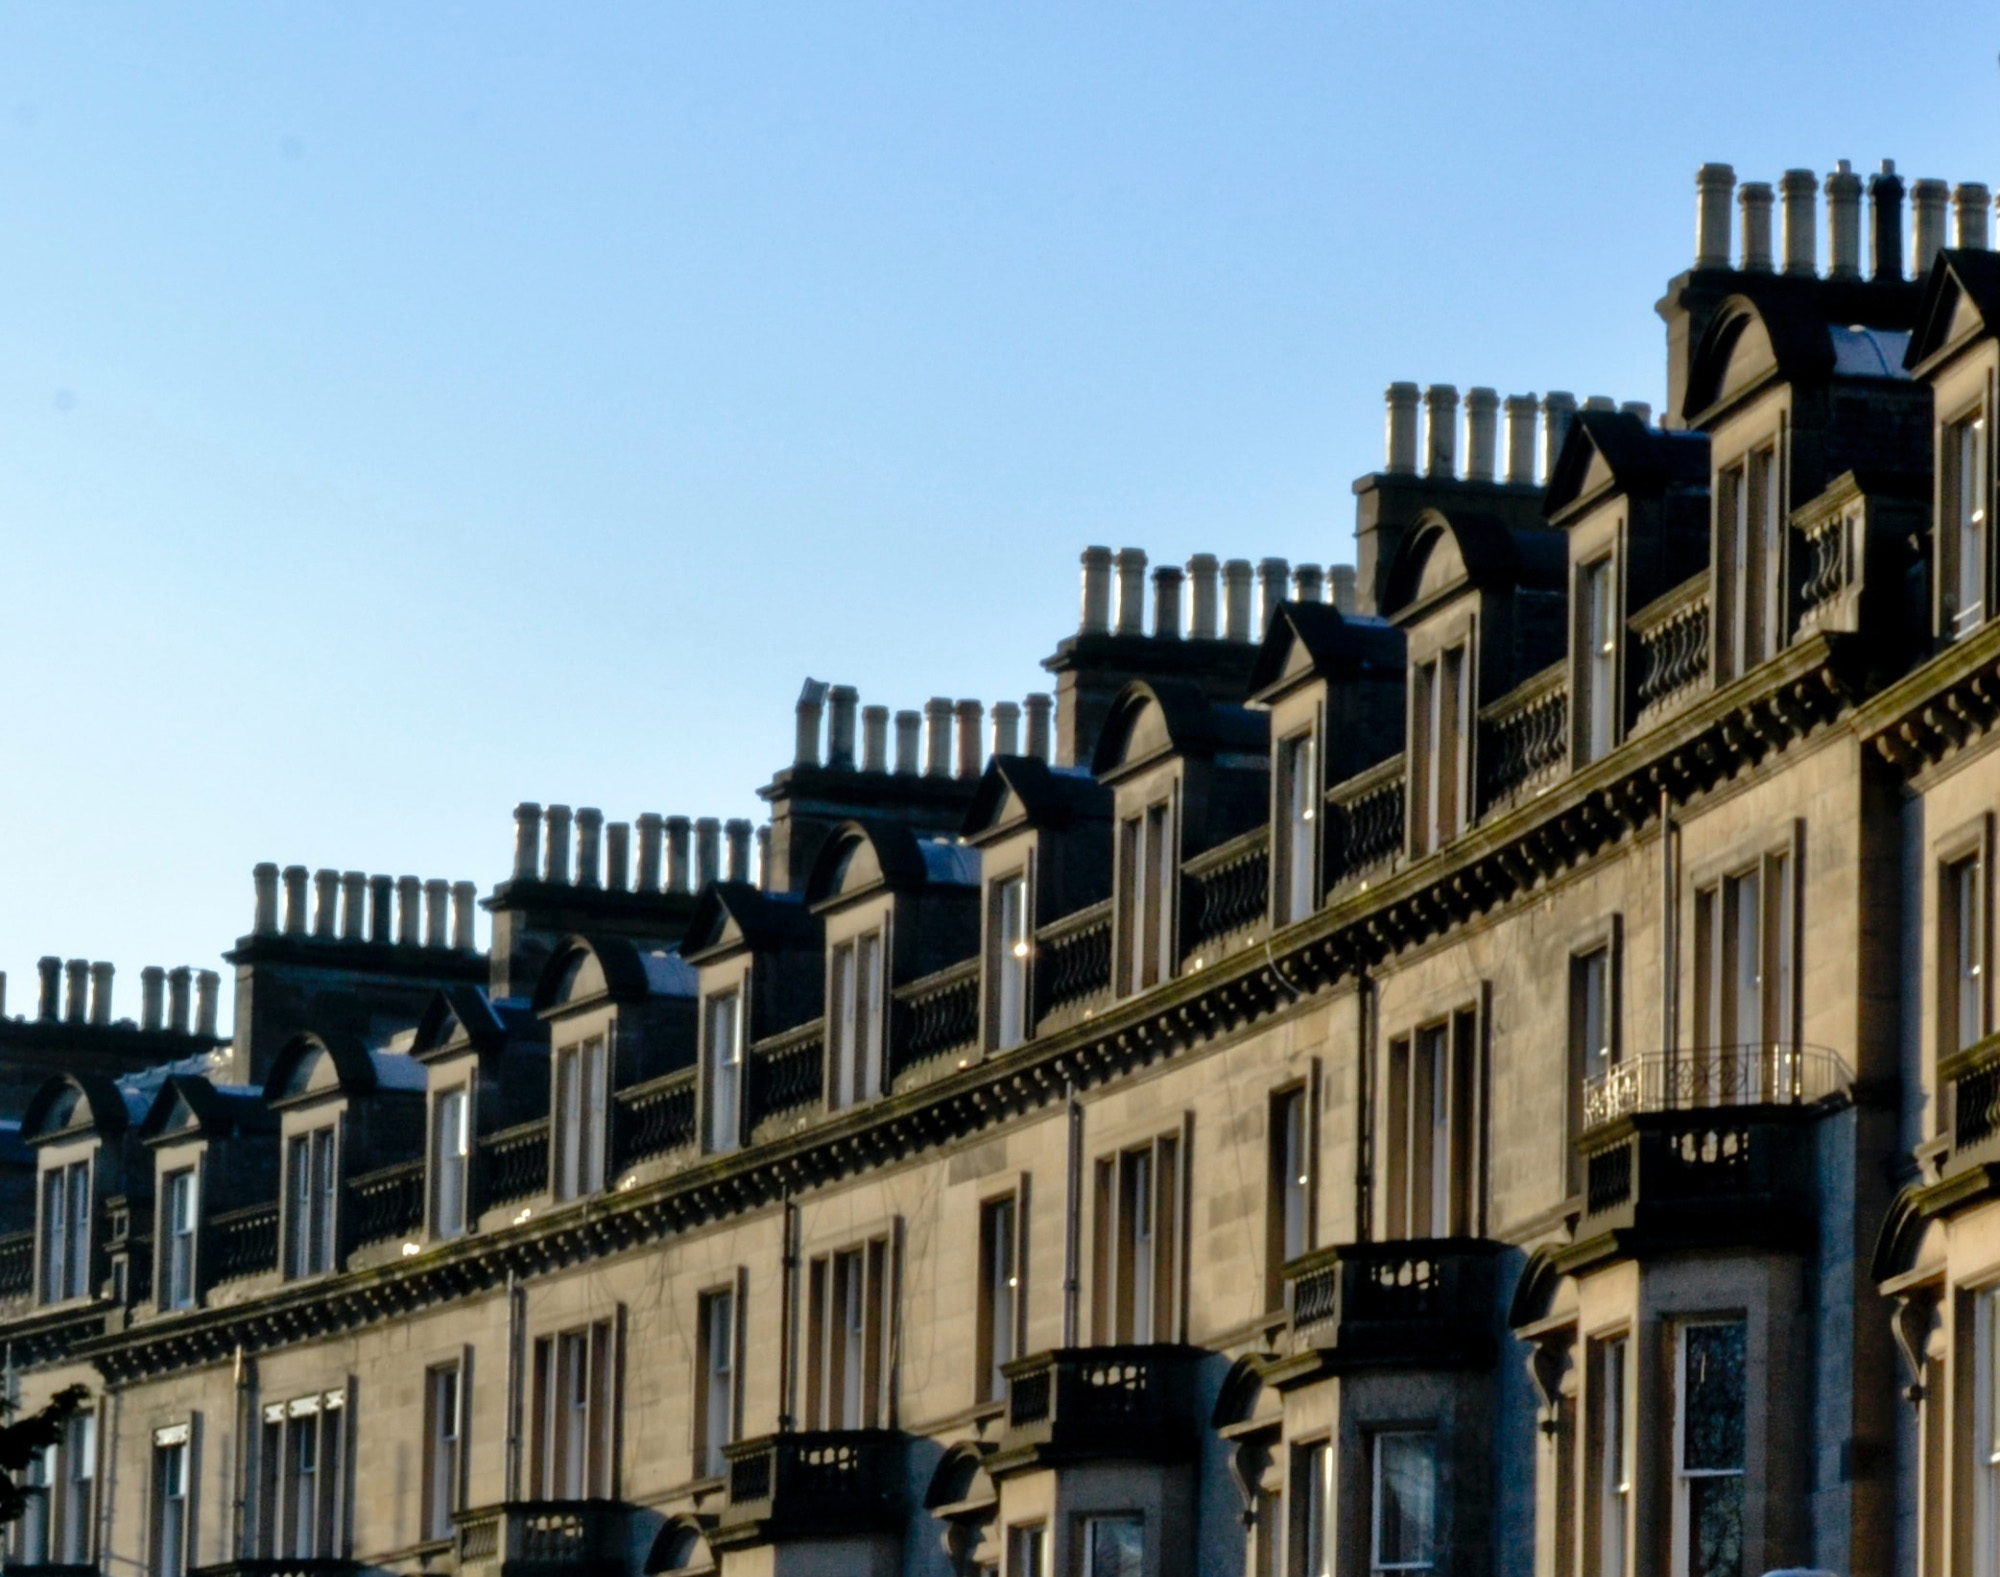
x=719, y=1312
x=723, y=1067
x=1013, y=945
x=451, y=1163
x=1376, y=1442
x=583, y=1117
x=180, y=1222
x=855, y=995
x=1967, y=490
x=1597, y=673
x=1297, y=863
x=1682, y=1476
x=1086, y=1530
x=303, y=1515
x=66, y=1227
x=1985, y=1444
x=312, y=1201
x=445, y=1416
x=171, y=1526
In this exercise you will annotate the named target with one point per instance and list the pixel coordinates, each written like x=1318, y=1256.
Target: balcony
x=301, y=1566
x=1969, y=1092
x=13, y=1568
x=1715, y=1078
x=1079, y=1404
x=811, y=1484
x=543, y=1538
x=1424, y=1303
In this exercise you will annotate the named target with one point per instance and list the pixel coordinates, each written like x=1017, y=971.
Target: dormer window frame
x=725, y=1012
x=459, y=1086
x=177, y=1234
x=311, y=1210
x=1298, y=800
x=582, y=1070
x=1965, y=516
x=1008, y=917
x=1443, y=710
x=66, y=1210
x=1751, y=516
x=1596, y=629
x=857, y=1006
x=1146, y=883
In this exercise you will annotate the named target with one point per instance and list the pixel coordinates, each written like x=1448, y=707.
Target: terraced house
x=1480, y=1063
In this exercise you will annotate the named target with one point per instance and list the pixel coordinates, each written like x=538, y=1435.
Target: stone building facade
x=1484, y=1063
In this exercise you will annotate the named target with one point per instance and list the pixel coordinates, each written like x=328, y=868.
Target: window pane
x=724, y=1066
x=868, y=1014
x=840, y=1024
x=1298, y=784
x=1405, y=1500
x=1010, y=962
x=1712, y=1358
x=1715, y=1526
x=1114, y=1546
x=1317, y=1527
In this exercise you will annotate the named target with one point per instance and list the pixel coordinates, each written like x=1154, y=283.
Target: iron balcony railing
x=540, y=1536
x=1772, y=1073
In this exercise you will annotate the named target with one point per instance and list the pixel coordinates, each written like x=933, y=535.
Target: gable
x=1444, y=566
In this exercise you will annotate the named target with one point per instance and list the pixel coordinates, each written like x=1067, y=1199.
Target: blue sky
x=407, y=410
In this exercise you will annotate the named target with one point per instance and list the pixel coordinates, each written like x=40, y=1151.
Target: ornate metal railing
x=17, y=1264
x=540, y=1534
x=248, y=1566
x=1364, y=821
x=1073, y=956
x=788, y=1071
x=1777, y=1073
x=243, y=1243
x=656, y=1118
x=940, y=1013
x=515, y=1161
x=1670, y=637
x=387, y=1203
x=1524, y=738
x=1227, y=889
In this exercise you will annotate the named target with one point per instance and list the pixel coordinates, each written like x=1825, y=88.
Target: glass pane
x=1405, y=1499
x=1712, y=1377
x=1114, y=1546
x=1715, y=1526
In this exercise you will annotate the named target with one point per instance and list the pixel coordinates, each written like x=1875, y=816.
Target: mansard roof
x=1153, y=718
x=1961, y=303
x=1615, y=452
x=316, y=1064
x=732, y=916
x=1754, y=341
x=587, y=968
x=466, y=1011
x=77, y=1103
x=1315, y=640
x=1464, y=546
x=1027, y=791
x=866, y=855
x=190, y=1104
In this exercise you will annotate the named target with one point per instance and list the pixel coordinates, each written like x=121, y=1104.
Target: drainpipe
x=516, y=1310
x=788, y=1314
x=1364, y=1146
x=1072, y=1214
x=1669, y=937
x=245, y=1414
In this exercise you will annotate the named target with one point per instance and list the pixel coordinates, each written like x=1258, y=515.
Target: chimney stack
x=1558, y=411
x=1930, y=200
x=677, y=854
x=589, y=844
x=76, y=982
x=764, y=858
x=1131, y=591
x=1400, y=458
x=1520, y=410
x=937, y=743
x=1885, y=229
x=1799, y=191
x=1640, y=409
x=842, y=699
x=1754, y=199
x=1713, y=184
x=437, y=911
x=909, y=741
x=1273, y=580
x=1040, y=709
x=1969, y=202
x=464, y=906
x=1006, y=728
x=179, y=1005
x=617, y=856
x=50, y=970
x=1236, y=600
x=812, y=701
x=409, y=911
x=1306, y=583
x=1482, y=410
x=100, y=993
x=354, y=902
x=381, y=904
x=1341, y=579
x=1441, y=431
x=152, y=998
x=737, y=833
x=874, y=739
x=970, y=714
x=1096, y=616
x=555, y=865
x=707, y=850
x=1843, y=223
x=649, y=852
x=204, y=1002
x=326, y=904
x=527, y=840
x=264, y=919
x=1167, y=603
x=1203, y=572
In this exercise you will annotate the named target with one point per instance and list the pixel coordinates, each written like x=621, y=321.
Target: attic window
x=65, y=1232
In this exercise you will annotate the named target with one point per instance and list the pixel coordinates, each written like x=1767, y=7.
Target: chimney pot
x=354, y=906
x=49, y=1007
x=1754, y=198
x=1885, y=230
x=677, y=854
x=1441, y=428
x=464, y=899
x=1930, y=200
x=381, y=908
x=970, y=713
x=205, y=984
x=264, y=878
x=812, y=701
x=1274, y=578
x=100, y=993
x=1600, y=402
x=1558, y=411
x=617, y=855
x=1640, y=409
x=1843, y=223
x=1520, y=440
x=937, y=728
x=179, y=1003
x=409, y=911
x=1799, y=191
x=1040, y=709
x=875, y=739
x=842, y=699
x=1167, y=603
x=589, y=840
x=437, y=911
x=152, y=998
x=1006, y=728
x=1713, y=183
x=295, y=900
x=1306, y=583
x=1482, y=410
x=764, y=857
x=76, y=982
x=909, y=741
x=707, y=850
x=737, y=832
x=1969, y=201
x=1096, y=615
x=1236, y=600
x=556, y=859
x=1131, y=591
x=527, y=840
x=1400, y=447
x=326, y=904
x=649, y=852
x=1341, y=581
x=1203, y=574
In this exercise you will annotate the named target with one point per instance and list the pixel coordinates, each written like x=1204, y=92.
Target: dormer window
x=1440, y=717
x=582, y=1110
x=1147, y=872
x=1747, y=597
x=1965, y=496
x=1297, y=863
x=309, y=1192
x=854, y=1020
x=65, y=1232
x=1007, y=968
x=451, y=1151
x=1597, y=664
x=722, y=1047
x=180, y=1214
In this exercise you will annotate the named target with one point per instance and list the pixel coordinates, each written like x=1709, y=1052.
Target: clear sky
x=410, y=409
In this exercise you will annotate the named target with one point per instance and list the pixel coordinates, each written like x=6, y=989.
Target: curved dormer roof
x=1755, y=341
x=868, y=856
x=1027, y=791
x=739, y=916
x=1608, y=452
x=592, y=968
x=314, y=1064
x=1316, y=640
x=465, y=1016
x=1444, y=550
x=189, y=1104
x=1961, y=303
x=78, y=1103
x=1155, y=718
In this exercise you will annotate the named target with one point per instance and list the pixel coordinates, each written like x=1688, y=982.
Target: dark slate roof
x=1338, y=644
x=1054, y=797
x=768, y=921
x=1642, y=460
x=1956, y=275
